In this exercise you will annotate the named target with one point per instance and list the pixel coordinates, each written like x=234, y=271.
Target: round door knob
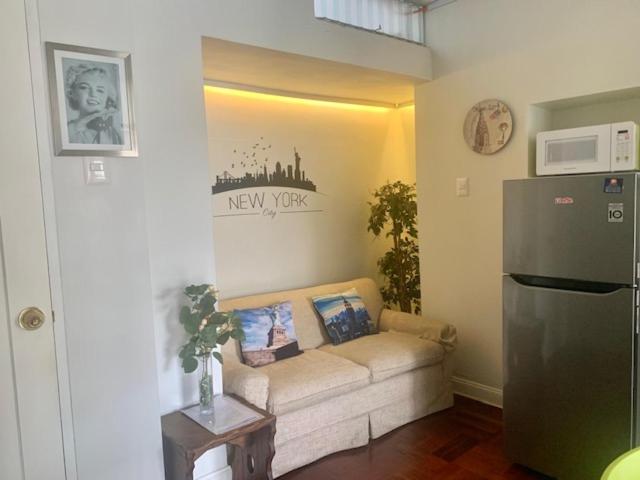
x=31, y=318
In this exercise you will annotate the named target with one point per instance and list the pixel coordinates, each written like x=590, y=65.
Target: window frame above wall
x=401, y=19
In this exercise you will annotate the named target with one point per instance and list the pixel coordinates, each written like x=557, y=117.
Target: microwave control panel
x=624, y=146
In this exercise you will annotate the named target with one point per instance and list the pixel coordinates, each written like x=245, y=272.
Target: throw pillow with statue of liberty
x=269, y=334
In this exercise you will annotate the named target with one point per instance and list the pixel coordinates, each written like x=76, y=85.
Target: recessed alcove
x=331, y=132
x=594, y=109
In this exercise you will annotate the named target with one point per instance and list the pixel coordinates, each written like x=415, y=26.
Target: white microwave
x=599, y=148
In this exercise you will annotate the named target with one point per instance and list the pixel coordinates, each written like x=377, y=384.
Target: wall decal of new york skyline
x=292, y=177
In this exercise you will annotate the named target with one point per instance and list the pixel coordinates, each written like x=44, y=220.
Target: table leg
x=178, y=465
x=250, y=456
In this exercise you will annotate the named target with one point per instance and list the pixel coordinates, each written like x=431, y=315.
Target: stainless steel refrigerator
x=570, y=322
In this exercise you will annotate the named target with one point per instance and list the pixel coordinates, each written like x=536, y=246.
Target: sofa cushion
x=388, y=353
x=310, y=378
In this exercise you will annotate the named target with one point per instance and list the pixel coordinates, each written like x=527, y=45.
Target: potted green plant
x=394, y=209
x=207, y=329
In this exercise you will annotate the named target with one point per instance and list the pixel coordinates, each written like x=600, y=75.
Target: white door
x=30, y=430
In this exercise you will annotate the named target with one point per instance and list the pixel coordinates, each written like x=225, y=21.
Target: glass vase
x=205, y=386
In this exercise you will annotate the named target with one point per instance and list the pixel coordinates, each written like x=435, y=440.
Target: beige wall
x=522, y=53
x=346, y=152
x=596, y=113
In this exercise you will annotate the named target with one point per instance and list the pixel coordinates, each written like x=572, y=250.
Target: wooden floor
x=461, y=443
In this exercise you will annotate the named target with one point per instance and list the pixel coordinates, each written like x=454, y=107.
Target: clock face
x=488, y=126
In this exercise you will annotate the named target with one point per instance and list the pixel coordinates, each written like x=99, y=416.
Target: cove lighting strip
x=292, y=98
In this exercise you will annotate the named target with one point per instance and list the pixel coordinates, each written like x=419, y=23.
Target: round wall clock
x=488, y=126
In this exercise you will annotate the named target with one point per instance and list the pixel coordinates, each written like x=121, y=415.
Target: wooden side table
x=250, y=451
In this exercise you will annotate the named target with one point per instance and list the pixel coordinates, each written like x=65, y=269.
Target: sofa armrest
x=246, y=382
x=440, y=332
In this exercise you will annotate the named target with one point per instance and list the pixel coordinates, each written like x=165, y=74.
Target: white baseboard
x=222, y=474
x=477, y=391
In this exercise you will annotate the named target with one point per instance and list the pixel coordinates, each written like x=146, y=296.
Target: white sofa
x=333, y=398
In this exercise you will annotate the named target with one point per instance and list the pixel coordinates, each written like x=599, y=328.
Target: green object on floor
x=625, y=467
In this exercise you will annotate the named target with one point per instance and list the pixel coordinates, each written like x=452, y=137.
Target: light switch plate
x=462, y=186
x=96, y=171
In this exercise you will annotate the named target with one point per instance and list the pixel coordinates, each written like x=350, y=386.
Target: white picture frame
x=91, y=101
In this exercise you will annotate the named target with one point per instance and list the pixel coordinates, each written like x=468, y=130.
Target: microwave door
x=575, y=150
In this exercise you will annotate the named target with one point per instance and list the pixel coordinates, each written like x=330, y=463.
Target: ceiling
x=261, y=68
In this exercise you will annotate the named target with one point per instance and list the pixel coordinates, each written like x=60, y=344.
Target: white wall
x=106, y=285
x=523, y=53
x=127, y=249
x=290, y=26
x=347, y=153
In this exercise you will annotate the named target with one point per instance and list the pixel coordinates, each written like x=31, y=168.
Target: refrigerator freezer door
x=574, y=227
x=568, y=367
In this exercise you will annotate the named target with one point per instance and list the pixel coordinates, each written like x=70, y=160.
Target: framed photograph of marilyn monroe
x=91, y=101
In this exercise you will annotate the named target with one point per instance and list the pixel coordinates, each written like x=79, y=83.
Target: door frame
x=39, y=87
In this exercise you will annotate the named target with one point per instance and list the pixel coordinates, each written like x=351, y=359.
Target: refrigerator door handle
x=637, y=322
x=599, y=288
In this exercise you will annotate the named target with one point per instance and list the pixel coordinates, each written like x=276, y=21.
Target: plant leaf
x=237, y=334
x=206, y=304
x=217, y=356
x=188, y=350
x=185, y=313
x=222, y=339
x=189, y=364
x=219, y=318
x=236, y=322
x=191, y=324
x=209, y=335
x=190, y=291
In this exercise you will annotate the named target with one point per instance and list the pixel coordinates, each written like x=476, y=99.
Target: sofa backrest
x=309, y=325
